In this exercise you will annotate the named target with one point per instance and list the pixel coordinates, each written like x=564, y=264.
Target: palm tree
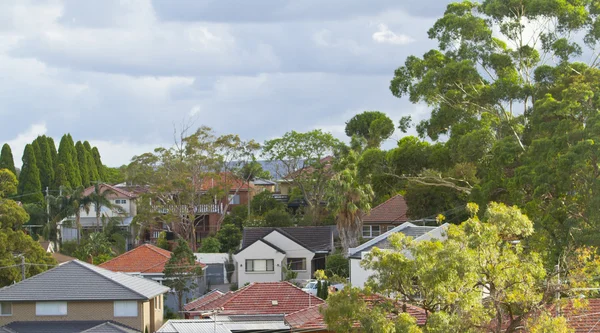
x=70, y=203
x=349, y=200
x=100, y=198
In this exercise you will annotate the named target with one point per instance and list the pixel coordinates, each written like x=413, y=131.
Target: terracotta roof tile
x=199, y=303
x=257, y=298
x=311, y=318
x=146, y=258
x=104, y=187
x=585, y=319
x=391, y=211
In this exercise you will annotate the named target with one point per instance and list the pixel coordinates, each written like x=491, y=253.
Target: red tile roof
x=203, y=300
x=104, y=187
x=391, y=211
x=143, y=259
x=585, y=319
x=257, y=298
x=311, y=318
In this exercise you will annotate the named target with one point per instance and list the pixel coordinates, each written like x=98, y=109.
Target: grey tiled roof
x=96, y=326
x=77, y=280
x=313, y=238
x=383, y=242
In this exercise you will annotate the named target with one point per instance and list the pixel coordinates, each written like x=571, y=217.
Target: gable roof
x=74, y=326
x=312, y=319
x=116, y=190
x=382, y=242
x=257, y=298
x=584, y=319
x=204, y=299
x=316, y=239
x=392, y=210
x=146, y=258
x=262, y=240
x=77, y=280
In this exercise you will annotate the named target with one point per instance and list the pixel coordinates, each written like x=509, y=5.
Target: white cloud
x=385, y=35
x=115, y=154
x=18, y=144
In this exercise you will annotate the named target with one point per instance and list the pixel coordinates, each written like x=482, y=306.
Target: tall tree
x=76, y=181
x=44, y=162
x=82, y=162
x=305, y=161
x=374, y=126
x=99, y=165
x=182, y=272
x=64, y=157
x=6, y=159
x=60, y=178
x=29, y=180
x=52, y=149
x=349, y=200
x=71, y=202
x=100, y=198
x=91, y=163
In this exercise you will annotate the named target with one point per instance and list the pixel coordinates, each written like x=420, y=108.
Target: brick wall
x=101, y=310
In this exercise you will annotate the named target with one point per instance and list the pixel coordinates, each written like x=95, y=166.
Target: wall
x=101, y=310
x=358, y=275
x=258, y=250
x=292, y=250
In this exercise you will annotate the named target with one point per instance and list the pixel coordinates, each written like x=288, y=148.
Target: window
x=126, y=309
x=260, y=265
x=51, y=308
x=234, y=199
x=157, y=303
x=297, y=264
x=120, y=201
x=370, y=231
x=5, y=309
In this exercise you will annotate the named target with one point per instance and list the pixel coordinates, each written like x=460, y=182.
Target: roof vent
x=274, y=303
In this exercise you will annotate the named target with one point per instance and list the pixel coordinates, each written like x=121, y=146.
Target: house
x=119, y=197
x=148, y=261
x=216, y=273
x=268, y=300
x=385, y=217
x=310, y=320
x=358, y=275
x=267, y=252
x=263, y=324
x=83, y=326
x=59, y=257
x=77, y=292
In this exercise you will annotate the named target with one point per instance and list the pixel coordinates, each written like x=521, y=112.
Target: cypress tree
x=82, y=163
x=44, y=162
x=76, y=180
x=98, y=162
x=29, y=179
x=60, y=177
x=52, y=148
x=92, y=168
x=64, y=158
x=6, y=159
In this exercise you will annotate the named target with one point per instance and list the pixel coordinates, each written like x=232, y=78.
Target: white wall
x=358, y=275
x=258, y=250
x=292, y=250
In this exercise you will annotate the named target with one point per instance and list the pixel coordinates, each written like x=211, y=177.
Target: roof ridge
x=291, y=237
x=80, y=263
x=130, y=252
x=37, y=275
x=305, y=309
x=155, y=249
x=205, y=295
x=390, y=199
x=311, y=295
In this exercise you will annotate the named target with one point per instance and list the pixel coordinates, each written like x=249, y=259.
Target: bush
x=264, y=202
x=237, y=217
x=68, y=248
x=162, y=241
x=210, y=245
x=278, y=218
x=230, y=237
x=337, y=264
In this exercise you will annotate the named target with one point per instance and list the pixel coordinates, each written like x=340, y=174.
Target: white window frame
x=120, y=310
x=2, y=306
x=51, y=308
x=370, y=232
x=232, y=199
x=121, y=201
x=261, y=271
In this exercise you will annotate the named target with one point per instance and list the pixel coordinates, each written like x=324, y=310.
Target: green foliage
x=162, y=241
x=210, y=245
x=96, y=246
x=60, y=177
x=337, y=264
x=99, y=165
x=546, y=323
x=82, y=163
x=374, y=126
x=278, y=218
x=289, y=274
x=8, y=183
x=264, y=202
x=64, y=157
x=229, y=237
x=181, y=271
x=91, y=163
x=6, y=159
x=44, y=162
x=29, y=179
x=237, y=217
x=113, y=175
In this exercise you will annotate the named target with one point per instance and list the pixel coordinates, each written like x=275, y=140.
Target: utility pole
x=47, y=206
x=23, y=267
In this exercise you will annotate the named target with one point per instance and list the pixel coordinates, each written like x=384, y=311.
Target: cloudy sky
x=122, y=73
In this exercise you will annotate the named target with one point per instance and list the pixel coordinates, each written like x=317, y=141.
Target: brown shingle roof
x=391, y=211
x=257, y=299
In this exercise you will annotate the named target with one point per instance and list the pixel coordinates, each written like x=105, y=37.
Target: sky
x=123, y=74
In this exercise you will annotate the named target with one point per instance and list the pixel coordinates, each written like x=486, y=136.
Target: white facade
x=271, y=248
x=360, y=275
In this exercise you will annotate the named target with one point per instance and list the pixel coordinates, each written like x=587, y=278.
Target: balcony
x=183, y=209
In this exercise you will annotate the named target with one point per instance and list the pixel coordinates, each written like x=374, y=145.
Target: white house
x=267, y=252
x=359, y=275
x=119, y=197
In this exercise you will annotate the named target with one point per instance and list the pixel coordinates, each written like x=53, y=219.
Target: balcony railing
x=183, y=209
